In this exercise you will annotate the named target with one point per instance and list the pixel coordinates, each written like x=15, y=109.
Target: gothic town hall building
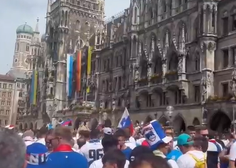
x=178, y=53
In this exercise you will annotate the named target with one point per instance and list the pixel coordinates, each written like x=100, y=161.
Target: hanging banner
x=89, y=64
x=69, y=83
x=78, y=72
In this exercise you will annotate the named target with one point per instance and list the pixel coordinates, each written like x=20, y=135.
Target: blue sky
x=16, y=12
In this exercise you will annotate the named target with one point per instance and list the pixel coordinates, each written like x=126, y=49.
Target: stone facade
x=170, y=53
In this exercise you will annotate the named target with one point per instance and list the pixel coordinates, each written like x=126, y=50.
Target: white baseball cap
x=107, y=130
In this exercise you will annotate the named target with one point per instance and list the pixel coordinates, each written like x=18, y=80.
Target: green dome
x=24, y=29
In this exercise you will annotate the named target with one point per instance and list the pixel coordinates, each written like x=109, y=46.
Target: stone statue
x=180, y=64
x=136, y=75
x=204, y=89
x=149, y=71
x=104, y=116
x=233, y=82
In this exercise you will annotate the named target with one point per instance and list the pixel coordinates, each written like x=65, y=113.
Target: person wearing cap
x=109, y=143
x=138, y=151
x=158, y=141
x=63, y=155
x=28, y=137
x=36, y=155
x=190, y=154
x=107, y=131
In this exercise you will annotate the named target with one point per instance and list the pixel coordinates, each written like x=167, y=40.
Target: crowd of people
x=148, y=146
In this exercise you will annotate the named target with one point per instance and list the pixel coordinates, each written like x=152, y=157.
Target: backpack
x=199, y=163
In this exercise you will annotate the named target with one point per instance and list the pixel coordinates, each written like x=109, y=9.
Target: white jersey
x=92, y=150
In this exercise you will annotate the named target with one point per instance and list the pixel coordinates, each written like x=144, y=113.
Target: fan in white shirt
x=92, y=149
x=109, y=143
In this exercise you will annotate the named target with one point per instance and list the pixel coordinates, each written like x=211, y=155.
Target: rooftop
x=6, y=78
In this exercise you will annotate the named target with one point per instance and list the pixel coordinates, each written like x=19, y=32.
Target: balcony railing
x=143, y=82
x=171, y=75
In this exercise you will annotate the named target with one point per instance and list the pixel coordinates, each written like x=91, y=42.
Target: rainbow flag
x=33, y=89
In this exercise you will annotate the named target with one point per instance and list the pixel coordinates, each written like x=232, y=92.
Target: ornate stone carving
x=233, y=83
x=211, y=46
x=149, y=72
x=180, y=64
x=204, y=89
x=136, y=75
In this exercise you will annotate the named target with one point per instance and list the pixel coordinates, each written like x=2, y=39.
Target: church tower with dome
x=28, y=49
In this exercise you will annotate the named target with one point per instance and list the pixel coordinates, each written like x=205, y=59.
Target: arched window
x=66, y=18
x=20, y=94
x=197, y=62
x=135, y=15
x=27, y=47
x=164, y=6
x=62, y=18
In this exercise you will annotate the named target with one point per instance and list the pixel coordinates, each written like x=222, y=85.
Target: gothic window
x=62, y=18
x=233, y=11
x=179, y=99
x=149, y=101
x=35, y=51
x=66, y=18
x=180, y=2
x=144, y=69
x=213, y=17
x=225, y=58
x=225, y=25
x=135, y=15
x=134, y=47
x=197, y=62
x=170, y=7
x=151, y=13
x=27, y=47
x=164, y=6
x=157, y=65
x=173, y=62
x=20, y=94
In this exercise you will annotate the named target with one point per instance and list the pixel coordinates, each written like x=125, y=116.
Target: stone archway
x=163, y=121
x=31, y=126
x=25, y=126
x=179, y=124
x=21, y=127
x=77, y=123
x=220, y=122
x=35, y=126
x=196, y=121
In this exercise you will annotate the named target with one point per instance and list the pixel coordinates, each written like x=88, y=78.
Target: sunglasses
x=50, y=140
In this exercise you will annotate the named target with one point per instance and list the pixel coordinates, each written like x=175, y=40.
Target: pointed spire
x=37, y=26
x=49, y=8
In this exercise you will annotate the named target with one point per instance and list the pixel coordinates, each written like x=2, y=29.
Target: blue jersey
x=174, y=155
x=66, y=160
